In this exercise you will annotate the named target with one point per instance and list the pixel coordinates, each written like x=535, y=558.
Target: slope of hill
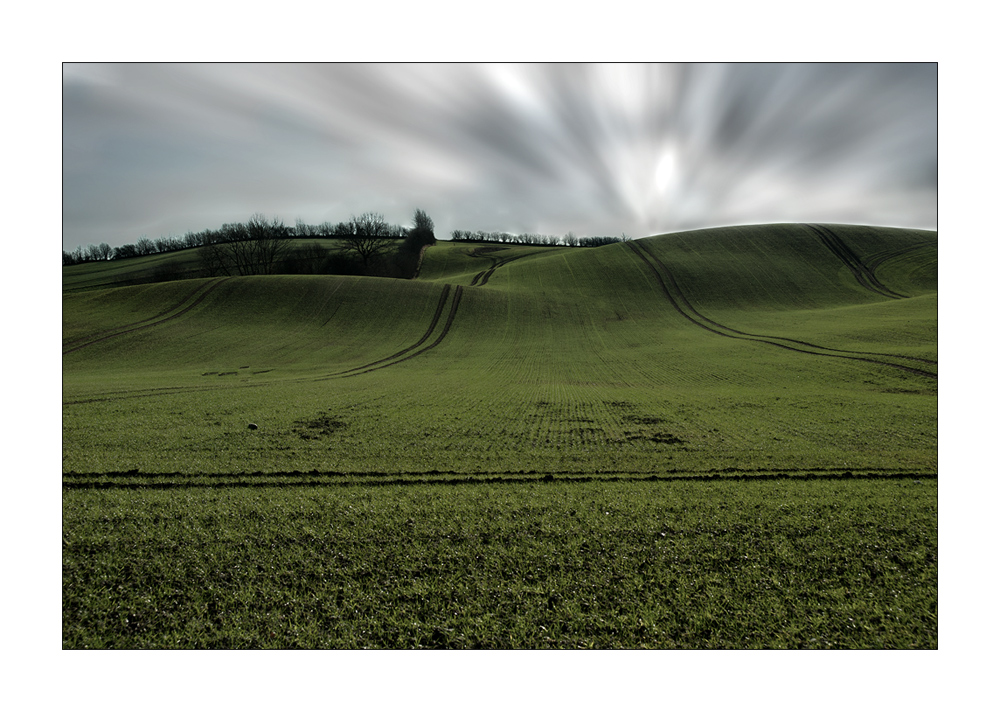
x=755, y=348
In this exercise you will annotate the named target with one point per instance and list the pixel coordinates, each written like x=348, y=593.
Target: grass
x=728, y=353
x=702, y=564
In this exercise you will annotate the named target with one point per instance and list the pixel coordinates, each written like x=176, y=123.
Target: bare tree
x=368, y=238
x=145, y=246
x=268, y=242
x=254, y=247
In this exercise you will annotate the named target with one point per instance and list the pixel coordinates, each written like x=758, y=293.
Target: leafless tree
x=253, y=247
x=145, y=246
x=368, y=238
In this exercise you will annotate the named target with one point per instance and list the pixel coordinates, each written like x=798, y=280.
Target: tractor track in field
x=707, y=324
x=799, y=342
x=444, y=332
x=877, y=262
x=862, y=272
x=112, y=331
x=151, y=481
x=483, y=277
x=152, y=321
x=357, y=371
x=430, y=329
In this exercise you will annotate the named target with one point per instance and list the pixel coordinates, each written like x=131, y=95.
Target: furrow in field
x=444, y=332
x=699, y=320
x=427, y=334
x=156, y=321
x=862, y=273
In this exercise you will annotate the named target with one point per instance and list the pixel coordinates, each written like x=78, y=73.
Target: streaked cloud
x=161, y=149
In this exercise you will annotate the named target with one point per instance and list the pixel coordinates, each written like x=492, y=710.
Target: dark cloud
x=597, y=149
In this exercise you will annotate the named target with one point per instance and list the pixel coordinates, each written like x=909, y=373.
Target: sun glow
x=667, y=171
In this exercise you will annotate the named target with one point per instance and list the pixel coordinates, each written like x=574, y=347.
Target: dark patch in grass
x=663, y=438
x=320, y=426
x=644, y=420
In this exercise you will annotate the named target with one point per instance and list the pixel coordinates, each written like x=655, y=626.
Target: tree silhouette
x=368, y=238
x=253, y=247
x=423, y=229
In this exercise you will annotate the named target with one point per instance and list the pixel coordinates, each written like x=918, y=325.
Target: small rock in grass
x=252, y=426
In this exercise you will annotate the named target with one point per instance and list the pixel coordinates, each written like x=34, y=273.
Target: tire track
x=498, y=262
x=703, y=322
x=427, y=334
x=878, y=261
x=151, y=481
x=444, y=332
x=144, y=325
x=862, y=273
x=116, y=329
x=489, y=273
x=482, y=253
x=704, y=318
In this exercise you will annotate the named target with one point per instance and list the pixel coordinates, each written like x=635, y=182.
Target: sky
x=158, y=150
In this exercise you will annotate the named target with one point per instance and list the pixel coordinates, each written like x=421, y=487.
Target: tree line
x=567, y=240
x=368, y=245
x=145, y=246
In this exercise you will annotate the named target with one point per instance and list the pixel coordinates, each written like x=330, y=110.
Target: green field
x=716, y=374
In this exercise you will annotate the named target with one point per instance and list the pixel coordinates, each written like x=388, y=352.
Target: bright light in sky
x=163, y=149
x=666, y=171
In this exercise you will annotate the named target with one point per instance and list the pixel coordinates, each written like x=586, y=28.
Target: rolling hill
x=805, y=348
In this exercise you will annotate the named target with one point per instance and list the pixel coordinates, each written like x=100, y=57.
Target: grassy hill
x=745, y=349
x=720, y=438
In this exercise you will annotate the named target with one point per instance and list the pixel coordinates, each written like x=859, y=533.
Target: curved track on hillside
x=701, y=321
x=704, y=318
x=483, y=277
x=876, y=262
x=393, y=360
x=430, y=329
x=204, y=290
x=862, y=272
